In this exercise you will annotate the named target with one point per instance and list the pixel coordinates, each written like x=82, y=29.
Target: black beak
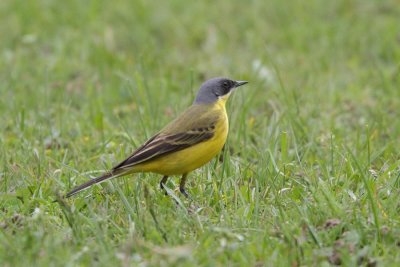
x=240, y=83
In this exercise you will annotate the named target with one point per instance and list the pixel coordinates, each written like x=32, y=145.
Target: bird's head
x=216, y=89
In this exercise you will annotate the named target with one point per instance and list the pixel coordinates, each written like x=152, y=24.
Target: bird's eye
x=223, y=88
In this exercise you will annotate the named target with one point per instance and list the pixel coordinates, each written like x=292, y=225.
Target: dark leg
x=162, y=183
x=182, y=185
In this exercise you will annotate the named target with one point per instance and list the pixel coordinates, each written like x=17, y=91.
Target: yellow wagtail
x=187, y=143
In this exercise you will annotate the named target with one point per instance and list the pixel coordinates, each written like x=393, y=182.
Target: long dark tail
x=97, y=180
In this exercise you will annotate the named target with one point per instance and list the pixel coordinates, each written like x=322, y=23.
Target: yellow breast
x=189, y=159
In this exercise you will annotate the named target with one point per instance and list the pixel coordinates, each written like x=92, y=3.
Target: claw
x=183, y=191
x=182, y=186
x=162, y=184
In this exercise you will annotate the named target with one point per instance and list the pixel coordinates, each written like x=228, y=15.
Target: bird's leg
x=162, y=183
x=182, y=185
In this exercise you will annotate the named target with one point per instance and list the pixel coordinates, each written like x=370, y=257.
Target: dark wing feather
x=161, y=145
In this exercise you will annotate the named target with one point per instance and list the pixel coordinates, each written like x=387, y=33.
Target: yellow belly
x=189, y=159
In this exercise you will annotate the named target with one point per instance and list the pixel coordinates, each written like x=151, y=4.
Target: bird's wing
x=160, y=145
x=195, y=125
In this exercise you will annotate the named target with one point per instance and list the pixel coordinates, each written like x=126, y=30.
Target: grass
x=310, y=176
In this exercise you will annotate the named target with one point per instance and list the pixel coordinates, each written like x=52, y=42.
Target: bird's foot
x=162, y=184
x=163, y=189
x=185, y=193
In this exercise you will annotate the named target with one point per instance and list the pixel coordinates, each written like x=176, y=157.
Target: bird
x=185, y=144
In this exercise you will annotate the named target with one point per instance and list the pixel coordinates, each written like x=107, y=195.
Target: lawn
x=310, y=173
